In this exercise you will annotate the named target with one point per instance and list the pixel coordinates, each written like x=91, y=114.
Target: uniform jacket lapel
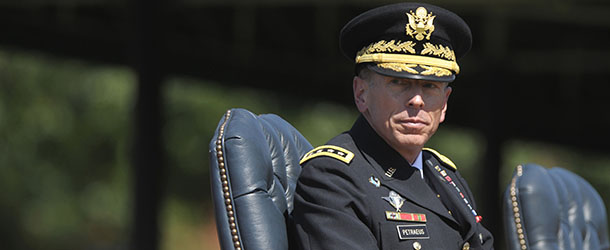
x=452, y=196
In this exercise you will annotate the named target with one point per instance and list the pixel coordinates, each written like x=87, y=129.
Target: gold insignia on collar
x=390, y=172
x=420, y=24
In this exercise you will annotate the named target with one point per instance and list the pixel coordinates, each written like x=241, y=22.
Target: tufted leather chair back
x=547, y=209
x=254, y=165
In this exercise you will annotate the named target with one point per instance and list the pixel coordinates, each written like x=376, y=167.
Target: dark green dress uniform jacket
x=339, y=202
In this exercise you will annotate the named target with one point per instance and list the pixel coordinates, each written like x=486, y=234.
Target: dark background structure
x=537, y=70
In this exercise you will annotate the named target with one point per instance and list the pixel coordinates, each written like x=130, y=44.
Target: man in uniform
x=376, y=186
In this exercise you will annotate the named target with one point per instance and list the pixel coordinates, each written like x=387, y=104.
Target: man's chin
x=412, y=141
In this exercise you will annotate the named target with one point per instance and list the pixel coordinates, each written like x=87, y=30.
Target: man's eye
x=400, y=82
x=430, y=86
x=395, y=81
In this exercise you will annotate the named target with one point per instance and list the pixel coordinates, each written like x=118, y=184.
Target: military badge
x=375, y=181
x=420, y=24
x=395, y=200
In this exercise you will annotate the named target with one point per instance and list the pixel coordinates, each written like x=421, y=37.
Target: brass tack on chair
x=515, y=205
x=225, y=182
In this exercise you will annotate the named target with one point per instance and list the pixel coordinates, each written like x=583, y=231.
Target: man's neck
x=411, y=154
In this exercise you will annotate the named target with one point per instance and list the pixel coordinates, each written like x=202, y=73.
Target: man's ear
x=447, y=94
x=360, y=87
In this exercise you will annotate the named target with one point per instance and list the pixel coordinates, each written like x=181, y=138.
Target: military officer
x=376, y=186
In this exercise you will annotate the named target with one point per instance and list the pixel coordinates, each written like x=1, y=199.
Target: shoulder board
x=338, y=153
x=442, y=158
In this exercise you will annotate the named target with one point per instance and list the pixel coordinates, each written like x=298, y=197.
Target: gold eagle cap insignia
x=420, y=24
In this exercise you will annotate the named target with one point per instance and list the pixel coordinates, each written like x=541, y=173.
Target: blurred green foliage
x=65, y=132
x=64, y=128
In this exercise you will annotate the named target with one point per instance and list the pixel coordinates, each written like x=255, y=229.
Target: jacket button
x=416, y=245
x=466, y=246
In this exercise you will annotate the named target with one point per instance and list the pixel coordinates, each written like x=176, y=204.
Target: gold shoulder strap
x=336, y=152
x=442, y=158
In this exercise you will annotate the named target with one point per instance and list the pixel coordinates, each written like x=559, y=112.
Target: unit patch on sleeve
x=336, y=152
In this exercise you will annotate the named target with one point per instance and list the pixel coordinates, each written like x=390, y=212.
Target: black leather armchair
x=254, y=165
x=553, y=209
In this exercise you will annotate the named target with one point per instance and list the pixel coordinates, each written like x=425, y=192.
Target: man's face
x=404, y=112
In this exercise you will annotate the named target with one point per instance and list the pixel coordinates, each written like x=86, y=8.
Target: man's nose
x=416, y=100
